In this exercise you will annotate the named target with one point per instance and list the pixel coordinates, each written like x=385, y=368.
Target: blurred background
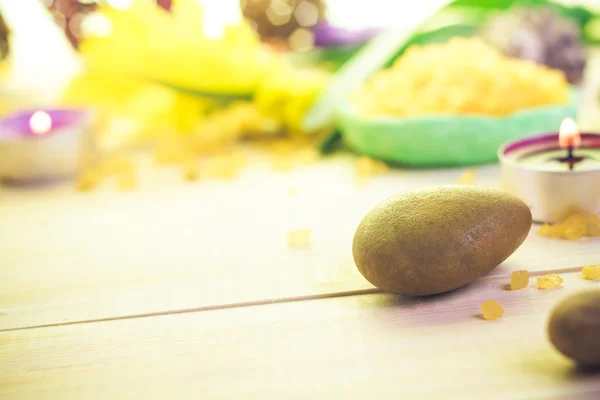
x=209, y=72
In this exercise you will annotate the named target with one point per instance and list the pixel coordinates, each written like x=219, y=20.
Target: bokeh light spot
x=279, y=13
x=40, y=123
x=307, y=14
x=301, y=40
x=75, y=24
x=60, y=19
x=120, y=4
x=592, y=29
x=95, y=24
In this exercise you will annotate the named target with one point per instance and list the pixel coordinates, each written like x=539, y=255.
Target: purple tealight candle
x=555, y=173
x=45, y=144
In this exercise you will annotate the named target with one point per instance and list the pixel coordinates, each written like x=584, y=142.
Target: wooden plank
x=372, y=346
x=67, y=256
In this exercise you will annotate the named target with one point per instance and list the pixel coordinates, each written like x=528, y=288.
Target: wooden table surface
x=190, y=291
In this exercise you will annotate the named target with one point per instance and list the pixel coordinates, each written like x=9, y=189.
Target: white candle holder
x=59, y=150
x=532, y=171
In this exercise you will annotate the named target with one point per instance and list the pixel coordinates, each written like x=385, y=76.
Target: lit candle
x=544, y=155
x=45, y=144
x=554, y=172
x=40, y=123
x=569, y=138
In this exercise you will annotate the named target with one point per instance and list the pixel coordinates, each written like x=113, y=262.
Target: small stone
x=549, y=281
x=573, y=327
x=492, y=310
x=519, y=280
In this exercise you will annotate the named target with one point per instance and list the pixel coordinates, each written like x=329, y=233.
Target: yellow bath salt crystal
x=592, y=218
x=191, y=170
x=468, y=177
x=592, y=230
x=222, y=167
x=549, y=281
x=89, y=179
x=282, y=163
x=126, y=180
x=574, y=227
x=545, y=230
x=367, y=166
x=240, y=158
x=299, y=237
x=575, y=220
x=492, y=310
x=114, y=165
x=307, y=156
x=519, y=280
x=363, y=166
x=415, y=85
x=556, y=231
x=591, y=272
x=592, y=223
x=361, y=181
x=574, y=231
x=169, y=152
x=163, y=154
x=281, y=146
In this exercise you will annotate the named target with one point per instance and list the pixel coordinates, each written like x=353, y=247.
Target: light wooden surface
x=172, y=246
x=172, y=266
x=175, y=246
x=358, y=347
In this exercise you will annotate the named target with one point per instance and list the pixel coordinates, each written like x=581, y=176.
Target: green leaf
x=330, y=143
x=217, y=96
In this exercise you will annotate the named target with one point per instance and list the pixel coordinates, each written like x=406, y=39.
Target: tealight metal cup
x=60, y=153
x=551, y=195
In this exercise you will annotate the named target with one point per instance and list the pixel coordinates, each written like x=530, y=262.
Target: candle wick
x=570, y=159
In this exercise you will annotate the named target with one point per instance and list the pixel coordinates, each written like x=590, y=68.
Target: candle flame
x=40, y=123
x=569, y=134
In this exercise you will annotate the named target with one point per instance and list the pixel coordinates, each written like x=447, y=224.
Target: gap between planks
x=293, y=299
